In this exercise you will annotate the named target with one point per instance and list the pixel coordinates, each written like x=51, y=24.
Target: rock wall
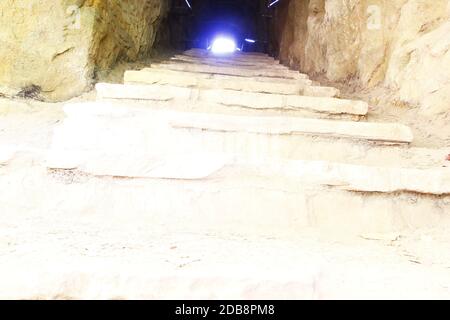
x=59, y=45
x=402, y=44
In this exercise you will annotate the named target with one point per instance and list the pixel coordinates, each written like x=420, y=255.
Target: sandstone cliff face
x=403, y=44
x=59, y=45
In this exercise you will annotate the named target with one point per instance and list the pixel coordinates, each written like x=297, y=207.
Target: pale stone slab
x=327, y=104
x=180, y=167
x=376, y=132
x=233, y=71
x=205, y=75
x=209, y=82
x=364, y=178
x=234, y=64
x=161, y=78
x=318, y=91
x=201, y=166
x=134, y=128
x=141, y=92
x=106, y=157
x=7, y=153
x=275, y=101
x=231, y=98
x=203, y=53
x=343, y=176
x=241, y=59
x=237, y=62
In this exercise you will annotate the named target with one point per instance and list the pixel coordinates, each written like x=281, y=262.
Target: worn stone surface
x=233, y=71
x=252, y=100
x=201, y=166
x=210, y=75
x=212, y=82
x=237, y=61
x=379, y=132
x=136, y=258
x=401, y=44
x=6, y=153
x=320, y=91
x=61, y=45
x=115, y=136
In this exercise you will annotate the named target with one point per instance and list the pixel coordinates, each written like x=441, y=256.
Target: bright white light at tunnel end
x=223, y=45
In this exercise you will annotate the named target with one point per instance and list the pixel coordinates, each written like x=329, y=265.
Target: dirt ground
x=429, y=132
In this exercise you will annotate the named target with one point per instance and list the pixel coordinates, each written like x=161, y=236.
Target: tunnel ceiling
x=232, y=10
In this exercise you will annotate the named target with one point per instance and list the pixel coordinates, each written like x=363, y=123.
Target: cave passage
x=197, y=23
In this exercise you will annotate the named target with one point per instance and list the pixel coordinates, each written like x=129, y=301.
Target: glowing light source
x=223, y=45
x=189, y=5
x=273, y=3
x=250, y=40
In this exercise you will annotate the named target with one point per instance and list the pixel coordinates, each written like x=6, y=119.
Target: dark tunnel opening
x=197, y=23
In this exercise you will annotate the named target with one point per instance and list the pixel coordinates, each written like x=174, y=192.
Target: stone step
x=224, y=61
x=122, y=129
x=240, y=54
x=299, y=180
x=210, y=82
x=234, y=64
x=137, y=127
x=236, y=56
x=204, y=166
x=331, y=106
x=376, y=132
x=233, y=71
x=254, y=198
x=321, y=91
x=206, y=75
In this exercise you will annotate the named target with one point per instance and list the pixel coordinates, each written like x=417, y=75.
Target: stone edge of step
x=131, y=73
x=166, y=77
x=135, y=91
x=349, y=177
x=371, y=131
x=352, y=177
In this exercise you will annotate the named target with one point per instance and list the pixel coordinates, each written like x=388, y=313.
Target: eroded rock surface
x=401, y=44
x=61, y=45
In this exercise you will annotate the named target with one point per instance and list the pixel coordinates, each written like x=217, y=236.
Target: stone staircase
x=230, y=178
x=244, y=143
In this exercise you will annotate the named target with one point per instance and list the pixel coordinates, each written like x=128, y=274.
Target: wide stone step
x=251, y=100
x=203, y=166
x=237, y=58
x=376, y=132
x=209, y=82
x=121, y=130
x=243, y=55
x=255, y=198
x=205, y=75
x=233, y=71
x=299, y=180
x=236, y=62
